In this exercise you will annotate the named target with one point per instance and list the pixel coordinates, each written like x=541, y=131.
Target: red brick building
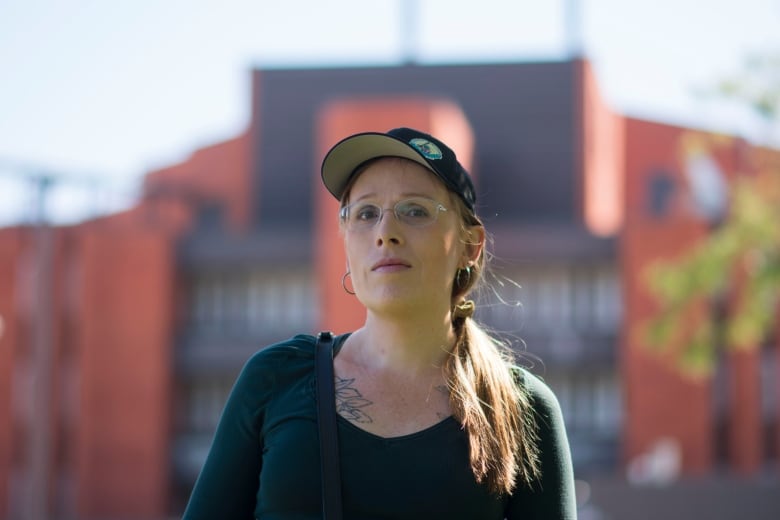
x=121, y=336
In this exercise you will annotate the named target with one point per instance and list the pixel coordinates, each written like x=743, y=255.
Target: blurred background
x=161, y=219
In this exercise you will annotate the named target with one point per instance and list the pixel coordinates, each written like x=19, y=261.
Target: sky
x=96, y=94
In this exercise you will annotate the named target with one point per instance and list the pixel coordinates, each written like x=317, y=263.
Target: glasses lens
x=362, y=215
x=416, y=212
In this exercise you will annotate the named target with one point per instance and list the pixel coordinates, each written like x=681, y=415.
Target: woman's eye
x=367, y=213
x=415, y=211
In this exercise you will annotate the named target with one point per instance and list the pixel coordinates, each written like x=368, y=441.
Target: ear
x=474, y=242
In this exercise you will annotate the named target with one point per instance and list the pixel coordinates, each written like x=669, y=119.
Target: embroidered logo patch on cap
x=427, y=148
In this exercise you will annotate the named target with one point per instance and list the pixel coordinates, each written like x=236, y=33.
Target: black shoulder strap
x=326, y=419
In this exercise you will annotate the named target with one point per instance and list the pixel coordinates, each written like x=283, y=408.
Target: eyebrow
x=404, y=195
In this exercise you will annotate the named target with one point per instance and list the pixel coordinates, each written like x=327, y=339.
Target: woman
x=434, y=420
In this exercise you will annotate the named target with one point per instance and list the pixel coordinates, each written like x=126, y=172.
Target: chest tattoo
x=350, y=402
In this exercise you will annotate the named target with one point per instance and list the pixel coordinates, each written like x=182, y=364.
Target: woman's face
x=396, y=266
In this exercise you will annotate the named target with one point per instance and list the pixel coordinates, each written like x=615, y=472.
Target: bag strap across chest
x=327, y=423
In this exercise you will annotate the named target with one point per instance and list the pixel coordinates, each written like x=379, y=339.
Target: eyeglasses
x=415, y=212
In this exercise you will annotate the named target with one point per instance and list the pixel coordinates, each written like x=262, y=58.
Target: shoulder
x=297, y=347
x=552, y=496
x=542, y=399
x=288, y=355
x=273, y=367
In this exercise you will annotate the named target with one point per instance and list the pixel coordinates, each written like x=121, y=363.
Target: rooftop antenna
x=572, y=19
x=408, y=31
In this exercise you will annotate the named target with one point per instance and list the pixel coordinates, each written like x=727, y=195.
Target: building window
x=251, y=303
x=552, y=297
x=205, y=400
x=580, y=298
x=607, y=304
x=660, y=193
x=591, y=404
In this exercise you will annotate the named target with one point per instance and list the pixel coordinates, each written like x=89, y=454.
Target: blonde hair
x=485, y=394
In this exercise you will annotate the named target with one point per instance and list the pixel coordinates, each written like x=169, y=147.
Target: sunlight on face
x=397, y=267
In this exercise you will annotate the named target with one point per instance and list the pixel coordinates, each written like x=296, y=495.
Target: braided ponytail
x=484, y=394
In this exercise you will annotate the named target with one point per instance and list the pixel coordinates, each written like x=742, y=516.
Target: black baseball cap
x=349, y=154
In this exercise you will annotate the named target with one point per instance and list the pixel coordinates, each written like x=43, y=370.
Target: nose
x=388, y=230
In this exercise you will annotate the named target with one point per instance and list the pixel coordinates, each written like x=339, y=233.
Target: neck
x=409, y=344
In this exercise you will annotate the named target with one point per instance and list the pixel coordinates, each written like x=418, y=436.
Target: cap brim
x=346, y=156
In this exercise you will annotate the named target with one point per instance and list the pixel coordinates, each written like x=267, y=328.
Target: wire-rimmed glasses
x=414, y=211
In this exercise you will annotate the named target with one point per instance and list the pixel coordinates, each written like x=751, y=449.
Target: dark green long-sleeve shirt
x=264, y=461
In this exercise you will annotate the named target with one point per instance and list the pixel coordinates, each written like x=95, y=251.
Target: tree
x=758, y=87
x=725, y=291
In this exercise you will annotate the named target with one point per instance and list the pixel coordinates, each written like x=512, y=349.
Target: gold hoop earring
x=344, y=283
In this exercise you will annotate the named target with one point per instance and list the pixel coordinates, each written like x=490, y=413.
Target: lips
x=390, y=264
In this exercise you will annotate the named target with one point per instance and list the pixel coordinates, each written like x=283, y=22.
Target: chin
x=388, y=297
x=395, y=301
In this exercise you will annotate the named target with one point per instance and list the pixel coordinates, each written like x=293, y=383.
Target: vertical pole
x=39, y=435
x=573, y=28
x=776, y=380
x=408, y=31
